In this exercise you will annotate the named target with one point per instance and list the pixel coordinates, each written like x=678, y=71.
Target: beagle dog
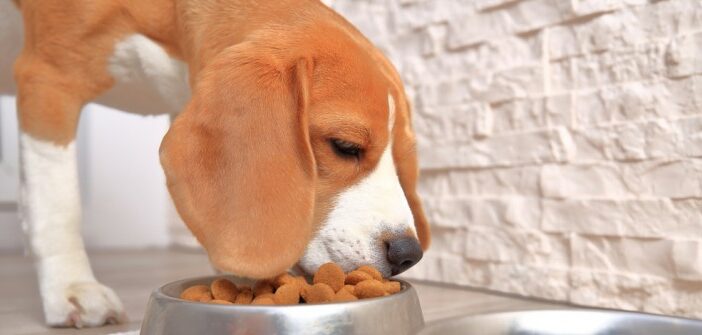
x=295, y=146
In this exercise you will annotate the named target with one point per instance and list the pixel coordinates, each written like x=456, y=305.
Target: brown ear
x=405, y=156
x=239, y=164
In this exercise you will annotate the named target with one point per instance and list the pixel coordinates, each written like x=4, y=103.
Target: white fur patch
x=50, y=214
x=138, y=59
x=50, y=200
x=362, y=214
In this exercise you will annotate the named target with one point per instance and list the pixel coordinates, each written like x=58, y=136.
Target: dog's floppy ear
x=405, y=155
x=239, y=164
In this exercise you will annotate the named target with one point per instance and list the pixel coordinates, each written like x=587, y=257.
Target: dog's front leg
x=48, y=108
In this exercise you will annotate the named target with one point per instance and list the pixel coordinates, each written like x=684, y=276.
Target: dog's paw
x=86, y=304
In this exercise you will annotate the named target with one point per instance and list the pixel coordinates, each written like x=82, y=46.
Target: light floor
x=134, y=274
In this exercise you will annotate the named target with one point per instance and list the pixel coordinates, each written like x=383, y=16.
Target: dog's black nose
x=403, y=253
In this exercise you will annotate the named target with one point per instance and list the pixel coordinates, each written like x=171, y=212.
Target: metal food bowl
x=399, y=313
x=565, y=322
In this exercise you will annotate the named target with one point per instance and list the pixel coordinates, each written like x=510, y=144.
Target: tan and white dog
x=295, y=145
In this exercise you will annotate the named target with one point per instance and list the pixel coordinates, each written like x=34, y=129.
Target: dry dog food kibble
x=351, y=288
x=371, y=271
x=223, y=289
x=355, y=277
x=329, y=284
x=392, y=287
x=330, y=274
x=283, y=279
x=288, y=294
x=244, y=297
x=262, y=287
x=197, y=293
x=266, y=299
x=344, y=295
x=318, y=293
x=370, y=288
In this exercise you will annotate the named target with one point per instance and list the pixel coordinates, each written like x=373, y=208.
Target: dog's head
x=298, y=153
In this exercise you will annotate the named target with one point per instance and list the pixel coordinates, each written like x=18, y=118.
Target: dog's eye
x=345, y=149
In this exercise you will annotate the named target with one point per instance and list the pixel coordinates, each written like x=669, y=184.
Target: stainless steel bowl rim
x=406, y=288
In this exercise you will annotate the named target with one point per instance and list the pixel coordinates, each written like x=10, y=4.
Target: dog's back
x=143, y=97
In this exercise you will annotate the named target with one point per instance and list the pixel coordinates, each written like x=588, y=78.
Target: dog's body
x=295, y=147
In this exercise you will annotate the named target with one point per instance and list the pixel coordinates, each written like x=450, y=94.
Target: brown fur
x=248, y=162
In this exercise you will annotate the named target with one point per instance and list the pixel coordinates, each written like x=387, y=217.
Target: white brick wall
x=560, y=143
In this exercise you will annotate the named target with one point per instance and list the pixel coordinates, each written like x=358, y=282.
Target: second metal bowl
x=565, y=322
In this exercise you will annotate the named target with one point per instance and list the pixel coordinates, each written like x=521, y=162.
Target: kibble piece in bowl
x=330, y=274
x=283, y=279
x=288, y=294
x=224, y=289
x=392, y=287
x=329, y=284
x=373, y=272
x=370, y=288
x=355, y=277
x=244, y=297
x=318, y=293
x=262, y=287
x=344, y=295
x=197, y=293
x=266, y=299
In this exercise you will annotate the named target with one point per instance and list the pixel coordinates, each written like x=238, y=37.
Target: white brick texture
x=560, y=143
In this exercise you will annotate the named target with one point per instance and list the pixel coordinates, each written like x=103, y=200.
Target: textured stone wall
x=560, y=143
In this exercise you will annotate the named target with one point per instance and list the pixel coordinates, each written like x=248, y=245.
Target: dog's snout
x=403, y=253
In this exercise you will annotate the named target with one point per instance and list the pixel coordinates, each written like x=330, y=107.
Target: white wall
x=10, y=230
x=123, y=187
x=560, y=143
